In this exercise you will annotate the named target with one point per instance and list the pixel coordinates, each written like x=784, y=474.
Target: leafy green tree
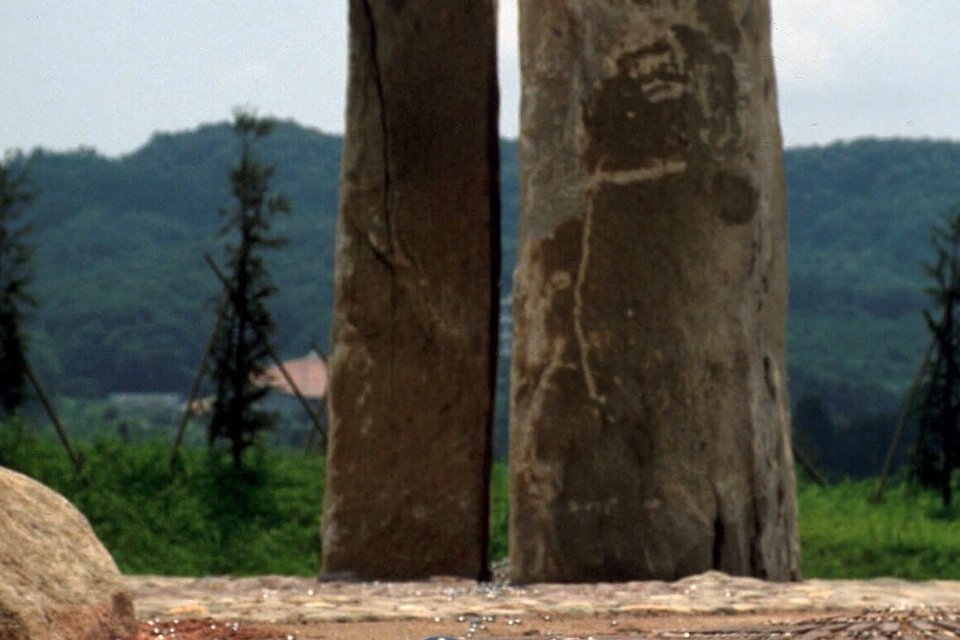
x=241, y=346
x=15, y=276
x=937, y=451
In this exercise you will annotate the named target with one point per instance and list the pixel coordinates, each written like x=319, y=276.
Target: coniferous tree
x=15, y=276
x=241, y=348
x=937, y=451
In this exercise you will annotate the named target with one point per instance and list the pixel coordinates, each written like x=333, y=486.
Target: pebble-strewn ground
x=711, y=604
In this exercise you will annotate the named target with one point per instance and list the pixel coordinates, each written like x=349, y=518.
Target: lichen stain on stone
x=736, y=198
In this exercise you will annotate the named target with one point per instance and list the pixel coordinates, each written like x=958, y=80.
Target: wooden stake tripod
x=228, y=294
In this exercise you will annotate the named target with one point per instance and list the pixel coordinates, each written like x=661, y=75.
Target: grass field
x=209, y=519
x=908, y=535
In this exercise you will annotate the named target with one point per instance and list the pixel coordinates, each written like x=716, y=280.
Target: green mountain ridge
x=861, y=215
x=127, y=300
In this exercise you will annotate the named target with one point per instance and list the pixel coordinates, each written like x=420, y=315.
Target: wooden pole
x=181, y=429
x=901, y=422
x=273, y=356
x=314, y=418
x=320, y=429
x=807, y=464
x=48, y=407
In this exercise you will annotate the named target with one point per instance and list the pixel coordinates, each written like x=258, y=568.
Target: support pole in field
x=228, y=290
x=54, y=418
x=195, y=387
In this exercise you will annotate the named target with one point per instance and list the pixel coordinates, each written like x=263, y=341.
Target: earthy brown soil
x=711, y=605
x=911, y=624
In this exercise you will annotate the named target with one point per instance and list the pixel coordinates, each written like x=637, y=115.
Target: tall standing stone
x=650, y=426
x=417, y=262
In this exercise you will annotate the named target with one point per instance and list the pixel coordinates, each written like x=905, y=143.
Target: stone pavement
x=708, y=605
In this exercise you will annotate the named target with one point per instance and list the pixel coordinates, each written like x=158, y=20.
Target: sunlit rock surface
x=57, y=581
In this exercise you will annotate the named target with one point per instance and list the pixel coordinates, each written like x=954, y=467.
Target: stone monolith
x=57, y=581
x=650, y=427
x=414, y=327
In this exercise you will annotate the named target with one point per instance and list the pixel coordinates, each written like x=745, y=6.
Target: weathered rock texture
x=57, y=582
x=414, y=336
x=650, y=428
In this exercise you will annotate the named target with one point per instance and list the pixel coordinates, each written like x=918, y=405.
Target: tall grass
x=908, y=535
x=499, y=512
x=208, y=519
x=204, y=519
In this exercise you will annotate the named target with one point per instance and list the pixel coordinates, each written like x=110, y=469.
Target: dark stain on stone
x=722, y=89
x=768, y=375
x=628, y=129
x=718, y=540
x=736, y=197
x=625, y=129
x=754, y=17
x=716, y=15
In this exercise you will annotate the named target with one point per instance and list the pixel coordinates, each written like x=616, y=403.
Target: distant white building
x=146, y=401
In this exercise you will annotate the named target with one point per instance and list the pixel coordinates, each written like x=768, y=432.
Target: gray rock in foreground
x=57, y=581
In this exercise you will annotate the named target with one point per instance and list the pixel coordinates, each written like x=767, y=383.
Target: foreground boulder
x=57, y=581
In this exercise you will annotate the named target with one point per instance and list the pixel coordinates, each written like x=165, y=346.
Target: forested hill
x=861, y=217
x=126, y=298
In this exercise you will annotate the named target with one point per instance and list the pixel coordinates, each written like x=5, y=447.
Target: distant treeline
x=126, y=300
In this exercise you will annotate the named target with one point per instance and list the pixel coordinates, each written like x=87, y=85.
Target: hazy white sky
x=108, y=73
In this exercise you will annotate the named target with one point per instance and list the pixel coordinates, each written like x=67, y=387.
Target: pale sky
x=106, y=74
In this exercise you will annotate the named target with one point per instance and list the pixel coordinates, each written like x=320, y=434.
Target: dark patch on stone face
x=650, y=110
x=624, y=127
x=718, y=540
x=722, y=91
x=736, y=197
x=754, y=17
x=716, y=15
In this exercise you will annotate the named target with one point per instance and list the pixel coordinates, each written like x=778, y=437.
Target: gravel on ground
x=711, y=605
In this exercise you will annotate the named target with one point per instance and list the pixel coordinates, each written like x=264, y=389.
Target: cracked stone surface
x=414, y=325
